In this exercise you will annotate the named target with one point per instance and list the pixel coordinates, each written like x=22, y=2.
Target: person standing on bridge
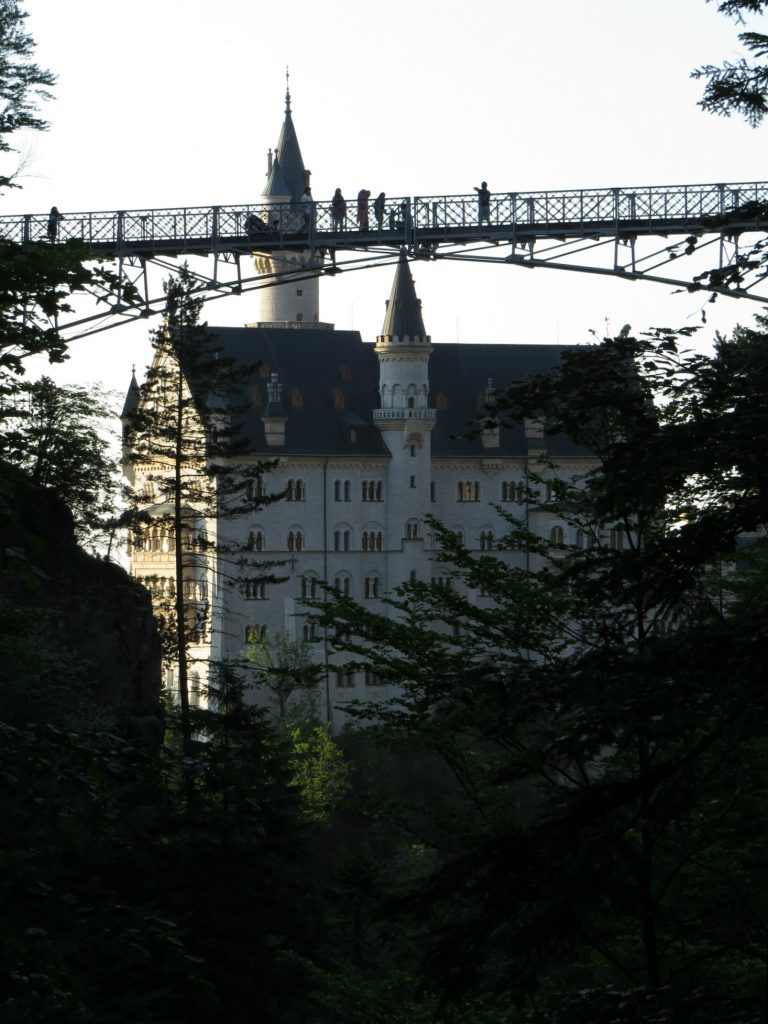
x=378, y=209
x=338, y=210
x=362, y=208
x=53, y=223
x=483, y=204
x=308, y=205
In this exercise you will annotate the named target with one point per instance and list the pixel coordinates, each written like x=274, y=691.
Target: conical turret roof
x=403, y=317
x=276, y=185
x=131, y=403
x=288, y=157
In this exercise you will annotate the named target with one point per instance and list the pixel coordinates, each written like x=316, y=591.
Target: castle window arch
x=468, y=490
x=295, y=539
x=557, y=535
x=372, y=587
x=255, y=541
x=412, y=529
x=486, y=540
x=343, y=583
x=309, y=588
x=342, y=537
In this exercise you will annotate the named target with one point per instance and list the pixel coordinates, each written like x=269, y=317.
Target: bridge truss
x=636, y=234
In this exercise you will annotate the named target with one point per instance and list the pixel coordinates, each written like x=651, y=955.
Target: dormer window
x=297, y=399
x=338, y=399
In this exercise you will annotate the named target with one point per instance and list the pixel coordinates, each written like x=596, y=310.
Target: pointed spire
x=133, y=394
x=288, y=155
x=403, y=317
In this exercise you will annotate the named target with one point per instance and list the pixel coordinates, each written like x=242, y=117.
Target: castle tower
x=403, y=417
x=294, y=300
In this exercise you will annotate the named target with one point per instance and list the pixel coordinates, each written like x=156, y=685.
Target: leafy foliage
x=739, y=87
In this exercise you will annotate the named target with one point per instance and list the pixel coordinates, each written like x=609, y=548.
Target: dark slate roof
x=322, y=365
x=289, y=156
x=131, y=403
x=276, y=183
x=460, y=373
x=403, y=316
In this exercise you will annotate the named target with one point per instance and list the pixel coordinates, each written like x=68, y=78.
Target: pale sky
x=165, y=103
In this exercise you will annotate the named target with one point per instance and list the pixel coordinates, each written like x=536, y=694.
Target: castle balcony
x=402, y=413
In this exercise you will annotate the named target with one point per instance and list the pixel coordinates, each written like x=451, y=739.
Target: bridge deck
x=422, y=221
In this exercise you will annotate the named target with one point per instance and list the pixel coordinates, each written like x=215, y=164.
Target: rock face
x=95, y=617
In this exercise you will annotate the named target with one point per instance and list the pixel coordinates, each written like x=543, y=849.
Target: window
x=441, y=402
x=255, y=590
x=372, y=540
x=342, y=490
x=413, y=446
x=372, y=490
x=443, y=581
x=432, y=491
x=343, y=584
x=338, y=399
x=297, y=400
x=556, y=535
x=295, y=491
x=343, y=680
x=309, y=632
x=372, y=586
x=264, y=370
x=411, y=403
x=308, y=587
x=412, y=529
x=254, y=488
x=486, y=540
x=341, y=540
x=255, y=633
x=255, y=540
x=616, y=539
x=295, y=540
x=468, y=490
x=371, y=679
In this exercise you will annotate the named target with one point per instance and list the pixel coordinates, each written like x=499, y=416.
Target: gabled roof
x=403, y=317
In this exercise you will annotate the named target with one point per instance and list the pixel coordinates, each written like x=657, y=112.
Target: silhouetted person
x=483, y=203
x=254, y=223
x=338, y=210
x=362, y=208
x=308, y=206
x=53, y=223
x=378, y=209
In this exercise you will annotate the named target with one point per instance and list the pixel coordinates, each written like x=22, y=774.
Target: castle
x=369, y=438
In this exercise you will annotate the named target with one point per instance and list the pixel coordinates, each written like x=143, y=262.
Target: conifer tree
x=185, y=441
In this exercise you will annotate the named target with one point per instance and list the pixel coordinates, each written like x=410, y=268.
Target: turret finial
x=287, y=90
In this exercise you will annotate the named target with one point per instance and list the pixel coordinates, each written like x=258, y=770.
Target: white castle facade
x=368, y=441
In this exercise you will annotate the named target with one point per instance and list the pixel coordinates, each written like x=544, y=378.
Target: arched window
x=343, y=584
x=372, y=586
x=469, y=490
x=255, y=633
x=309, y=632
x=371, y=679
x=411, y=402
x=295, y=540
x=255, y=590
x=441, y=402
x=338, y=399
x=255, y=488
x=557, y=535
x=341, y=539
x=255, y=540
x=486, y=540
x=308, y=587
x=297, y=401
x=412, y=529
x=616, y=539
x=295, y=491
x=343, y=680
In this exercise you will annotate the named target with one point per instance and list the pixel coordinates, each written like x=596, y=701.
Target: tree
x=189, y=460
x=602, y=705
x=59, y=436
x=739, y=87
x=22, y=82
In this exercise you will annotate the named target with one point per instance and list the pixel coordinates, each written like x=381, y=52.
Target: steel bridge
x=558, y=229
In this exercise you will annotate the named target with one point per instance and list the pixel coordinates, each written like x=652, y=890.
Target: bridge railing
x=215, y=227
